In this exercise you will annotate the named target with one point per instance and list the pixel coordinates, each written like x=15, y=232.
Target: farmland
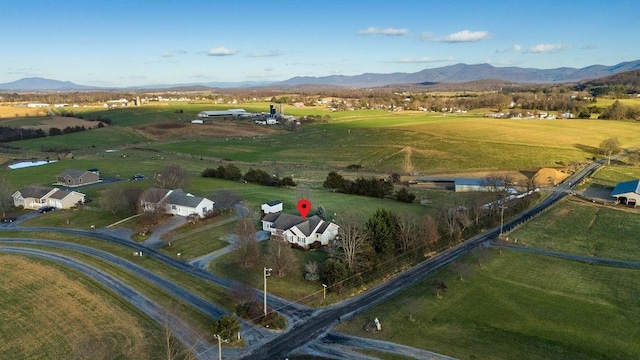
x=40, y=301
x=495, y=299
x=516, y=306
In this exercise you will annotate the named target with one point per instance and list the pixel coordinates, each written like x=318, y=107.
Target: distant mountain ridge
x=464, y=73
x=38, y=83
x=457, y=73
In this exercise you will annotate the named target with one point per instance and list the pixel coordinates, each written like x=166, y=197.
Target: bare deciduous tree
x=170, y=177
x=280, y=257
x=225, y=199
x=609, y=147
x=351, y=240
x=6, y=201
x=449, y=219
x=430, y=232
x=476, y=208
x=114, y=200
x=408, y=232
x=246, y=244
x=462, y=269
x=153, y=204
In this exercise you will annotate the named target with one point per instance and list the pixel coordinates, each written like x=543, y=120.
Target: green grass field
x=100, y=139
x=584, y=229
x=517, y=306
x=430, y=144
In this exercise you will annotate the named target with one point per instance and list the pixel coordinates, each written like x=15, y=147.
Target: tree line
x=254, y=176
x=379, y=188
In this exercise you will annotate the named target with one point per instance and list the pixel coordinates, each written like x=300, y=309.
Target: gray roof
x=323, y=227
x=274, y=202
x=434, y=179
x=632, y=186
x=179, y=197
x=282, y=221
x=286, y=221
x=72, y=172
x=35, y=191
x=271, y=217
x=307, y=226
x=60, y=194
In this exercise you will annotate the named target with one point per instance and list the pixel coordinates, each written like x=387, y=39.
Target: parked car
x=8, y=220
x=137, y=177
x=46, y=209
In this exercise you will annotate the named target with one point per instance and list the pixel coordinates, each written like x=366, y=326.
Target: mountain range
x=457, y=73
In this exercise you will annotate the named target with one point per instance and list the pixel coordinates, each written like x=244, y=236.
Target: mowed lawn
x=516, y=306
x=102, y=138
x=584, y=229
x=425, y=143
x=49, y=313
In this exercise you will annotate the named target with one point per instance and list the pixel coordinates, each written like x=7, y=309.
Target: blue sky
x=134, y=42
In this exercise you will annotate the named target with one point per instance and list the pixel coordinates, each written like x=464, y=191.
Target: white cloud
x=173, y=53
x=426, y=36
x=588, y=47
x=384, y=32
x=546, y=48
x=221, y=51
x=423, y=60
x=514, y=48
x=270, y=53
x=466, y=36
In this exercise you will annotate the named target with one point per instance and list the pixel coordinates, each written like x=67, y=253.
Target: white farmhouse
x=297, y=230
x=180, y=203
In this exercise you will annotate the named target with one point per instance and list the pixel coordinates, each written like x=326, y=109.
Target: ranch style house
x=178, y=202
x=73, y=177
x=299, y=231
x=34, y=197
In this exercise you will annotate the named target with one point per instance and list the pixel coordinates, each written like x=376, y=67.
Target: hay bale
x=549, y=177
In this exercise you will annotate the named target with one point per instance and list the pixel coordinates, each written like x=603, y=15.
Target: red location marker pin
x=304, y=206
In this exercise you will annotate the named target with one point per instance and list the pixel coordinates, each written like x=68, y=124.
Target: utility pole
x=502, y=207
x=324, y=291
x=267, y=272
x=217, y=336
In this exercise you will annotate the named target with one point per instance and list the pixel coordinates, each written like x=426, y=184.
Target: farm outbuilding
x=272, y=207
x=231, y=113
x=73, y=177
x=627, y=192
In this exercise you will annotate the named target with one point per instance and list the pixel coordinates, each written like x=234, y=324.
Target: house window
x=302, y=240
x=289, y=238
x=204, y=209
x=173, y=207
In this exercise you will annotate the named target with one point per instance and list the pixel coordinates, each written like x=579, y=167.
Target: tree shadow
x=588, y=149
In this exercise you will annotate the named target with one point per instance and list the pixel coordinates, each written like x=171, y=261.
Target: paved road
x=332, y=339
x=584, y=259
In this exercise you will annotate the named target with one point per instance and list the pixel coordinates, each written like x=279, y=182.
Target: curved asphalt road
x=578, y=258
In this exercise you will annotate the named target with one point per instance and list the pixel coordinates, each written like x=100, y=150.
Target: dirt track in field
x=62, y=122
x=218, y=129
